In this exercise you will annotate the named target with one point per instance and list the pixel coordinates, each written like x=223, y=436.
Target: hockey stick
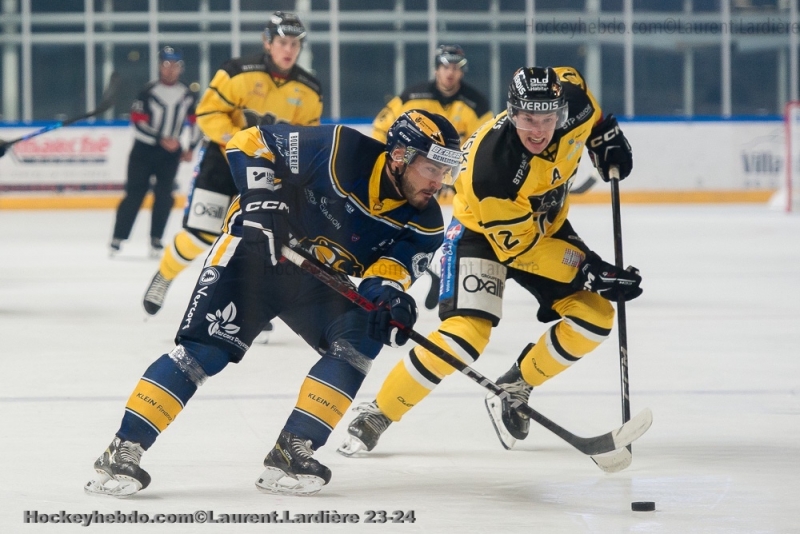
x=432, y=299
x=584, y=187
x=605, y=443
x=622, y=458
x=109, y=96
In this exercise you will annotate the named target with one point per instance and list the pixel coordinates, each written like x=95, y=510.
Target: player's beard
x=418, y=198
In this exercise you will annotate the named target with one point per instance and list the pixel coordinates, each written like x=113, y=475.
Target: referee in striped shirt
x=158, y=115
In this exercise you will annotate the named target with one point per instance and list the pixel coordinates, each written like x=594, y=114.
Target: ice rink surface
x=714, y=347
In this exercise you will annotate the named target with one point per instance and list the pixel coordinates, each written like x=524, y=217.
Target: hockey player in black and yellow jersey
x=447, y=94
x=510, y=222
x=360, y=207
x=265, y=89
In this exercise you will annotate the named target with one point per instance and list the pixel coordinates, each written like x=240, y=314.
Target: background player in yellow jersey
x=510, y=222
x=264, y=89
x=447, y=94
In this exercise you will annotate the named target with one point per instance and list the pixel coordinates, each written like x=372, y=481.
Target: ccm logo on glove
x=266, y=205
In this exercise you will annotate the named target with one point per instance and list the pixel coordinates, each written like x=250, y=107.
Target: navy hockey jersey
x=332, y=180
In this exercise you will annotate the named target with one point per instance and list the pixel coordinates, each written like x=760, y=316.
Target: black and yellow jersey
x=467, y=109
x=252, y=84
x=513, y=197
x=342, y=209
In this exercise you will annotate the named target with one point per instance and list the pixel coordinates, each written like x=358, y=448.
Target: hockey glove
x=608, y=148
x=606, y=280
x=264, y=226
x=393, y=304
x=2, y=149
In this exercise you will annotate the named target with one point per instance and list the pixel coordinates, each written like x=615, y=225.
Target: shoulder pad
x=303, y=76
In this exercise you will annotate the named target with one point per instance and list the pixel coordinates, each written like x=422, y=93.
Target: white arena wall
x=674, y=161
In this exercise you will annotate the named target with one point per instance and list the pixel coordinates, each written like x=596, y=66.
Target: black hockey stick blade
x=107, y=101
x=608, y=442
x=585, y=186
x=432, y=299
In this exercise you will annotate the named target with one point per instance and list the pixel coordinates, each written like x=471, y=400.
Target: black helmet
x=536, y=90
x=284, y=24
x=451, y=55
x=170, y=54
x=429, y=135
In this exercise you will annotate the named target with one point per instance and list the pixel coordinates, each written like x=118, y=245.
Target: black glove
x=606, y=280
x=609, y=148
x=264, y=225
x=2, y=148
x=393, y=305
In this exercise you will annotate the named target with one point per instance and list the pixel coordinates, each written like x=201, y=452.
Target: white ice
x=713, y=346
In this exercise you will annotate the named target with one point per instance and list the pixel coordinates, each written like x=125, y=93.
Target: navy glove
x=606, y=280
x=608, y=148
x=393, y=304
x=264, y=225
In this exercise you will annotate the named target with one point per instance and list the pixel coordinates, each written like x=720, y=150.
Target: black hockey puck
x=643, y=506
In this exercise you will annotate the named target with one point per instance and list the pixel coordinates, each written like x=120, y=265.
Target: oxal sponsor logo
x=294, y=152
x=215, y=211
x=79, y=149
x=199, y=294
x=209, y=276
x=490, y=284
x=222, y=325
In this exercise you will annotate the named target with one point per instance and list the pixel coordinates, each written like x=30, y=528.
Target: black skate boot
x=510, y=424
x=119, y=462
x=290, y=469
x=156, y=292
x=365, y=430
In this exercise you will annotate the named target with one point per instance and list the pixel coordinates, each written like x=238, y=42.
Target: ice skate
x=290, y=469
x=118, y=471
x=510, y=424
x=156, y=248
x=156, y=292
x=114, y=247
x=263, y=337
x=365, y=430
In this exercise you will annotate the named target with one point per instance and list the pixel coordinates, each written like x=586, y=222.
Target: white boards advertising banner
x=668, y=156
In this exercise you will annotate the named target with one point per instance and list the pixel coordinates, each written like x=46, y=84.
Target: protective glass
x=440, y=164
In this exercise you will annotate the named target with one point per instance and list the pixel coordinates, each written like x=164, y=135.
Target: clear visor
x=440, y=164
x=540, y=120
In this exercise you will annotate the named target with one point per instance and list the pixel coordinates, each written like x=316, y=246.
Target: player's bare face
x=170, y=71
x=535, y=130
x=422, y=179
x=448, y=79
x=284, y=51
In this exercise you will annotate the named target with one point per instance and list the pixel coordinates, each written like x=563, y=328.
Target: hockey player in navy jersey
x=358, y=206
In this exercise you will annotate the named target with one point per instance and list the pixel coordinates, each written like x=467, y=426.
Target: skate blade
x=352, y=446
x=494, y=405
x=276, y=482
x=125, y=486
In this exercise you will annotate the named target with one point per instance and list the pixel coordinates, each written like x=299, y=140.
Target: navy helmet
x=421, y=133
x=536, y=90
x=284, y=24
